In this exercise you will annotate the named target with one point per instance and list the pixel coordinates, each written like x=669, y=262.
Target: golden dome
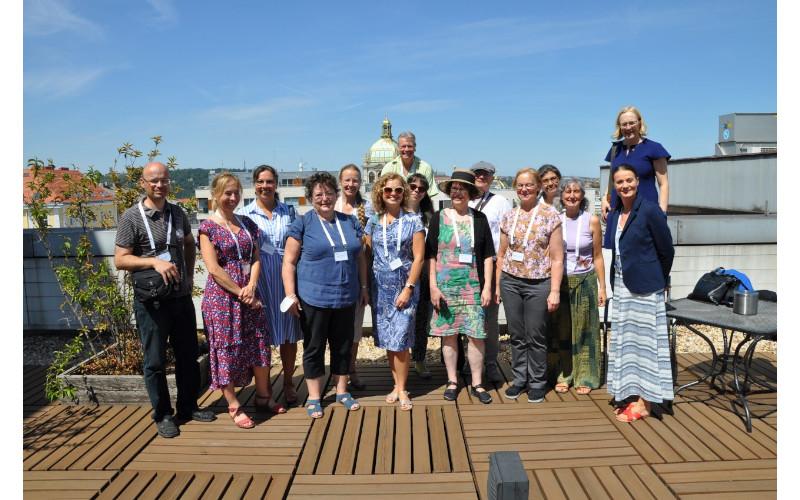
x=384, y=149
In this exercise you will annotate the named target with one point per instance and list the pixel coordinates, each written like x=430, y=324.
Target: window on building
x=202, y=205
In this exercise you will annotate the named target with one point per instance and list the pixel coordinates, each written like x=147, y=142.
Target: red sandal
x=631, y=414
x=244, y=422
x=269, y=406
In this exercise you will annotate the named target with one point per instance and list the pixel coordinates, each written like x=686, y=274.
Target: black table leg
x=712, y=372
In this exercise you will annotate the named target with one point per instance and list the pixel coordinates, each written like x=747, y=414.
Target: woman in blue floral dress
x=234, y=318
x=396, y=238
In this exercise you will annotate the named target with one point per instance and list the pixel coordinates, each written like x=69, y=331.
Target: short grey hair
x=407, y=135
x=577, y=182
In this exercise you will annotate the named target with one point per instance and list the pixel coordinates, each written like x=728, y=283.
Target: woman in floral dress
x=459, y=250
x=397, y=242
x=234, y=318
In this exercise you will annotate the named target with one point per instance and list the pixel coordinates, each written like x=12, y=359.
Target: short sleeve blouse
x=640, y=157
x=321, y=280
x=536, y=254
x=411, y=224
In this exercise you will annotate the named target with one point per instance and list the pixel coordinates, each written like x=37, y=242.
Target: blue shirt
x=272, y=230
x=641, y=158
x=321, y=281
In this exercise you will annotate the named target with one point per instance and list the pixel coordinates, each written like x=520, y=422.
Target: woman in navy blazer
x=638, y=353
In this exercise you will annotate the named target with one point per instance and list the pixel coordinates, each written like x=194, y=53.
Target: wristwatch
x=410, y=285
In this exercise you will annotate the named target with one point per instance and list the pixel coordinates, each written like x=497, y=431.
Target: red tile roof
x=59, y=185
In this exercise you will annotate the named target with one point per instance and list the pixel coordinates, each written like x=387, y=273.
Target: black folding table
x=761, y=326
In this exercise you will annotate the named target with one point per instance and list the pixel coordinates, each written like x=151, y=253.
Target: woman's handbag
x=715, y=287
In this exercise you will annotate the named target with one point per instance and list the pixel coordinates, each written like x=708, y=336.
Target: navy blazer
x=645, y=245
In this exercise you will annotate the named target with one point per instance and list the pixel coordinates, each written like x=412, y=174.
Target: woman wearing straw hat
x=459, y=250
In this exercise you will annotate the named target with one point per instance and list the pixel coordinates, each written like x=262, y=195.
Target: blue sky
x=514, y=83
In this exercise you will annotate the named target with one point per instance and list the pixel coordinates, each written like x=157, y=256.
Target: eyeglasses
x=156, y=182
x=322, y=196
x=417, y=187
x=526, y=186
x=457, y=189
x=629, y=124
x=387, y=190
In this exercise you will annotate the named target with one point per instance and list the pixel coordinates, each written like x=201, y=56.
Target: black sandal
x=483, y=396
x=450, y=394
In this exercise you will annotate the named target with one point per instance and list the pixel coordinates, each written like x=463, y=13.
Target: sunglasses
x=417, y=187
x=398, y=190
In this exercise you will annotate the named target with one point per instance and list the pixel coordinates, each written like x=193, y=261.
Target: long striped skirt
x=638, y=347
x=581, y=364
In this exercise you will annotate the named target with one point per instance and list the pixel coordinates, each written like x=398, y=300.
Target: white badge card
x=267, y=247
x=246, y=268
x=465, y=258
x=516, y=256
x=395, y=264
x=164, y=256
x=340, y=256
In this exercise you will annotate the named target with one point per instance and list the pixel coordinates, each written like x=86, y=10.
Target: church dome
x=384, y=149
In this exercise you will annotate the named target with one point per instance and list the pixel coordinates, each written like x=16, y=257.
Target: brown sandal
x=244, y=422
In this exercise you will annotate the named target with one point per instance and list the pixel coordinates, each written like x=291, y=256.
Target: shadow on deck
x=571, y=446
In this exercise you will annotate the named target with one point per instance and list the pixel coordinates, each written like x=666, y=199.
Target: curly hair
x=377, y=192
x=218, y=186
x=324, y=179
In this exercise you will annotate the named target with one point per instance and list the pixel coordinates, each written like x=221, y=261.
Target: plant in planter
x=100, y=303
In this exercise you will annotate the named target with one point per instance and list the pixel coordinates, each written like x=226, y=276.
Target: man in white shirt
x=494, y=206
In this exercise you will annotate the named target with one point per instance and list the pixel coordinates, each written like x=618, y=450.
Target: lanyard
x=235, y=239
x=328, y=235
x=471, y=229
x=484, y=201
x=527, y=232
x=147, y=226
x=577, y=236
x=399, y=232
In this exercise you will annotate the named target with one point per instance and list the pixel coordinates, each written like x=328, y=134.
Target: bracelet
x=364, y=287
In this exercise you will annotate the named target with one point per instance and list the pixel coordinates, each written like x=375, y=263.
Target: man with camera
x=155, y=244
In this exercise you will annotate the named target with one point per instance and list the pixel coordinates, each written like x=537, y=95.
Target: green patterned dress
x=459, y=283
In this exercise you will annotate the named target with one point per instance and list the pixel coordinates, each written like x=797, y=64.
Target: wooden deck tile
x=723, y=479
x=190, y=485
x=272, y=447
x=455, y=486
x=518, y=428
x=385, y=440
x=64, y=484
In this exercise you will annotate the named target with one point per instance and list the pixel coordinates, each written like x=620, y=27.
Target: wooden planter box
x=122, y=389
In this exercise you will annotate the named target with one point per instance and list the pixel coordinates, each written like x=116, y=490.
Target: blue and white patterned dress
x=284, y=328
x=393, y=329
x=638, y=349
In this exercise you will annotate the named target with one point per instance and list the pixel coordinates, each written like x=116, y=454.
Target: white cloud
x=259, y=111
x=48, y=17
x=61, y=82
x=166, y=12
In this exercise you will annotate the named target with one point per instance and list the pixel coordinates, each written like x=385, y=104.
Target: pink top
x=535, y=262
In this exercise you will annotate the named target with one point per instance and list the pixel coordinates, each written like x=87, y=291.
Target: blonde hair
x=527, y=170
x=377, y=192
x=218, y=186
x=361, y=211
x=629, y=109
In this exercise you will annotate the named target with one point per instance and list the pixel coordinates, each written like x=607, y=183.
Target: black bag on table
x=149, y=285
x=715, y=287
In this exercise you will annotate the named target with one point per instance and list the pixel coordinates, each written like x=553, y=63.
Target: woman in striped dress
x=273, y=218
x=639, y=368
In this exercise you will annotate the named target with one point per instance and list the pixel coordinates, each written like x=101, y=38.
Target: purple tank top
x=583, y=261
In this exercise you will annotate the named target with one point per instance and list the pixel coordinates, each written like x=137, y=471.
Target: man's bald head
x=155, y=169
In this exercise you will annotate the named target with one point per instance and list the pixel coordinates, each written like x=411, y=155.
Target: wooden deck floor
x=570, y=446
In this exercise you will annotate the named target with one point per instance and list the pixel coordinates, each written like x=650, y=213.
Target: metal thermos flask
x=745, y=302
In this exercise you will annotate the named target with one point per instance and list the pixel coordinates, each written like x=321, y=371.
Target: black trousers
x=172, y=321
x=326, y=326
